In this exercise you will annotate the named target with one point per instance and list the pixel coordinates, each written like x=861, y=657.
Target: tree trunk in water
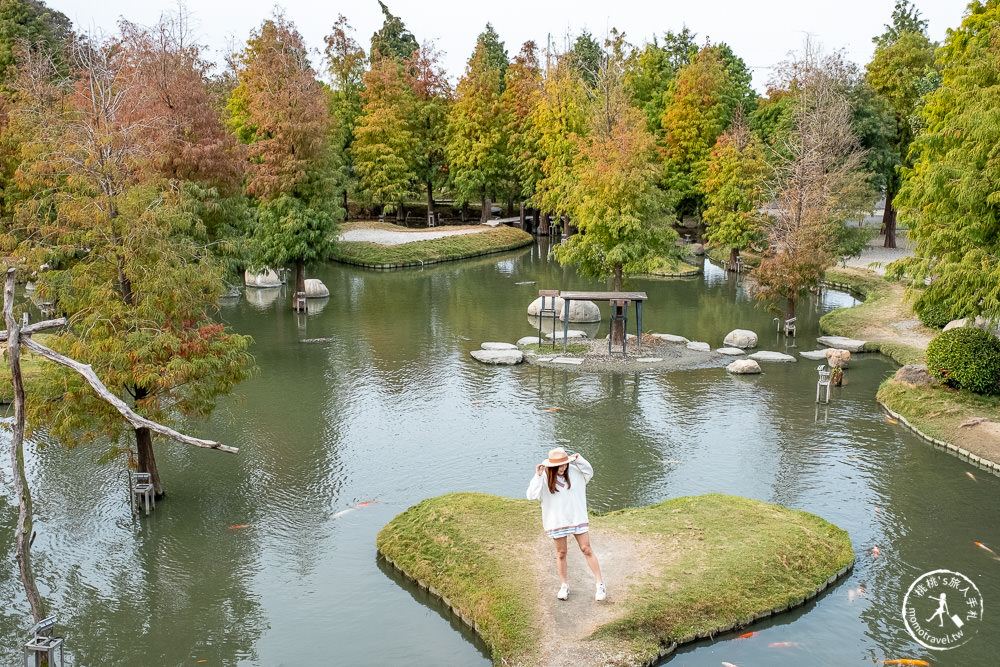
x=889, y=223
x=144, y=449
x=618, y=330
x=300, y=286
x=22, y=546
x=790, y=307
x=543, y=226
x=734, y=254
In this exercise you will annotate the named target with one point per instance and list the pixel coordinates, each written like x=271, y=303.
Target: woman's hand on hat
x=575, y=457
x=539, y=468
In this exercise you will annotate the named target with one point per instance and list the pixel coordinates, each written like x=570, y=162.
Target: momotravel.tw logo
x=942, y=609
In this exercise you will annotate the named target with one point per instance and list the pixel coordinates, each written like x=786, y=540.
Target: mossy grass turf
x=494, y=239
x=710, y=562
x=547, y=350
x=674, y=268
x=31, y=367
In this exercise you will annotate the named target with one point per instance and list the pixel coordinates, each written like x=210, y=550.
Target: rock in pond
x=842, y=343
x=671, y=338
x=771, y=356
x=498, y=346
x=267, y=278
x=572, y=333
x=744, y=367
x=579, y=311
x=915, y=375
x=815, y=355
x=530, y=340
x=741, y=338
x=731, y=351
x=838, y=358
x=315, y=289
x=498, y=357
x=699, y=346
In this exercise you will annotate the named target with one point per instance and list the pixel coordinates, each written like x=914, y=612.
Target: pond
x=265, y=557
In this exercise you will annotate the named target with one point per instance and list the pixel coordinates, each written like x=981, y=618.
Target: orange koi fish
x=240, y=526
x=875, y=551
x=783, y=644
x=906, y=661
x=553, y=409
x=367, y=502
x=891, y=420
x=983, y=546
x=748, y=635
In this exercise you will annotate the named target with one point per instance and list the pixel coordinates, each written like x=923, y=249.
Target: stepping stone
x=841, y=343
x=572, y=333
x=815, y=355
x=700, y=347
x=743, y=338
x=771, y=356
x=544, y=359
x=648, y=360
x=531, y=340
x=744, y=367
x=731, y=351
x=498, y=346
x=569, y=361
x=498, y=357
x=671, y=338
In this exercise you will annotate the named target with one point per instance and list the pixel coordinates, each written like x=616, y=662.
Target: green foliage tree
x=898, y=70
x=384, y=146
x=392, y=40
x=125, y=251
x=346, y=65
x=949, y=197
x=586, y=56
x=617, y=203
x=648, y=76
x=735, y=188
x=30, y=22
x=282, y=113
x=477, y=145
x=519, y=101
x=431, y=102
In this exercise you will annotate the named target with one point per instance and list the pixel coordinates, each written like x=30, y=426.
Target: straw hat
x=557, y=457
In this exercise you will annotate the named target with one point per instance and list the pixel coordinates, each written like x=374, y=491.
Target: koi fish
x=747, y=635
x=878, y=511
x=477, y=402
x=203, y=661
x=728, y=664
x=783, y=644
x=240, y=526
x=553, y=409
x=891, y=420
x=971, y=476
x=875, y=551
x=906, y=661
x=367, y=502
x=983, y=546
x=343, y=512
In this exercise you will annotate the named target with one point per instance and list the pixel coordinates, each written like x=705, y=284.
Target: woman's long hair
x=552, y=473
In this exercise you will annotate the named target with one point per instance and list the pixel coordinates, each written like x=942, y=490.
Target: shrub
x=966, y=358
x=931, y=314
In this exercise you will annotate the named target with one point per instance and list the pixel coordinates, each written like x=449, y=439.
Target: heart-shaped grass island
x=677, y=571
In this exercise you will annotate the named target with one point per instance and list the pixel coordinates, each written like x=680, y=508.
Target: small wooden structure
x=619, y=313
x=635, y=297
x=42, y=643
x=824, y=381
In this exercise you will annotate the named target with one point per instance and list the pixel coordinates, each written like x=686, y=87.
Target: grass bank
x=710, y=564
x=938, y=411
x=720, y=254
x=674, y=268
x=419, y=253
x=871, y=321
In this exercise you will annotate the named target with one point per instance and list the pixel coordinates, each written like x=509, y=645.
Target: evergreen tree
x=432, y=99
x=345, y=61
x=393, y=40
x=949, y=197
x=519, y=101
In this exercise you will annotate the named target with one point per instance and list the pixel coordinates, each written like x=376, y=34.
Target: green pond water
x=388, y=406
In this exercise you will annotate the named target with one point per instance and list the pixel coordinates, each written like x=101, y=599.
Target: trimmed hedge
x=966, y=358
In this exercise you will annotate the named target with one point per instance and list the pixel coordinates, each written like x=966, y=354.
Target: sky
x=762, y=32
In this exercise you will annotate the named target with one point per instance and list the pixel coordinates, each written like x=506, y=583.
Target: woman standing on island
x=560, y=482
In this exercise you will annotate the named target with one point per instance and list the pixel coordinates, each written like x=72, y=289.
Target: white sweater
x=567, y=507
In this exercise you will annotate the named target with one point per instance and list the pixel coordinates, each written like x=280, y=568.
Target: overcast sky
x=762, y=32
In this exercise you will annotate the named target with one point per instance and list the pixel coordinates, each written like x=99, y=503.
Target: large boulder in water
x=315, y=289
x=744, y=367
x=838, y=358
x=535, y=306
x=741, y=338
x=267, y=278
x=582, y=311
x=498, y=357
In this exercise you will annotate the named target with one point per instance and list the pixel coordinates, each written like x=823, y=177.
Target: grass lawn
x=494, y=239
x=709, y=563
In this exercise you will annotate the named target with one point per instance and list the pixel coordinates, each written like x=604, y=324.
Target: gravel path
x=875, y=257
x=386, y=237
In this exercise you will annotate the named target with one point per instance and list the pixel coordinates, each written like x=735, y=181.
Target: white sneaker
x=563, y=592
x=601, y=592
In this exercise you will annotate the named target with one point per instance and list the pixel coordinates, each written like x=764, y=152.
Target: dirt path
x=566, y=624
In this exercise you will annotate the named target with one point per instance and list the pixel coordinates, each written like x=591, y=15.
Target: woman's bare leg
x=583, y=540
x=561, y=557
